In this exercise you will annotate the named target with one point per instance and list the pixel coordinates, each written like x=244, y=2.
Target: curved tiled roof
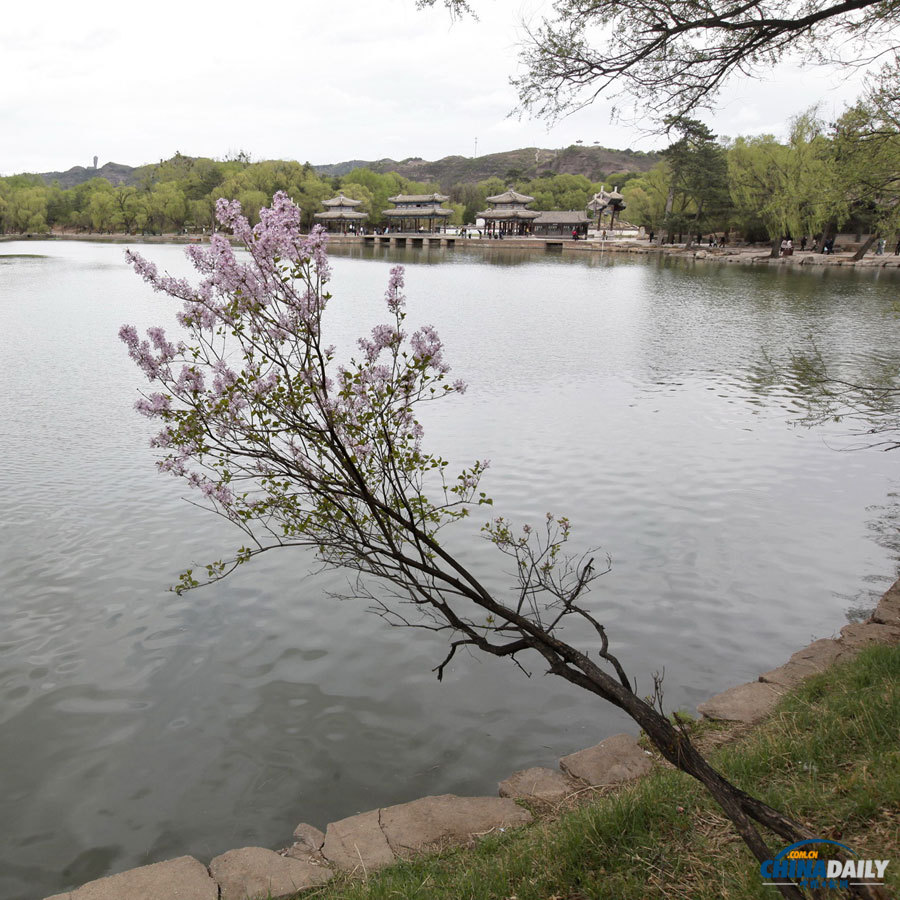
x=341, y=200
x=418, y=212
x=561, y=217
x=341, y=214
x=604, y=199
x=418, y=198
x=510, y=197
x=508, y=214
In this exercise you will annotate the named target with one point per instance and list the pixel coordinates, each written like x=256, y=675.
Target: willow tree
x=299, y=448
x=789, y=188
x=646, y=197
x=866, y=151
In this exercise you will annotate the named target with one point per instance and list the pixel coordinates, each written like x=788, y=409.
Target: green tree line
x=179, y=194
x=822, y=178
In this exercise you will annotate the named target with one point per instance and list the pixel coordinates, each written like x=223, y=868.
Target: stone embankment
x=370, y=840
x=753, y=255
x=744, y=255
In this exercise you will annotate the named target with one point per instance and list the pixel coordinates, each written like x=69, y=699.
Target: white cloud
x=323, y=82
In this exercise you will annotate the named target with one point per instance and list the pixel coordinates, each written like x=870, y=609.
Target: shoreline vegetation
x=828, y=753
x=823, y=744
x=743, y=254
x=827, y=180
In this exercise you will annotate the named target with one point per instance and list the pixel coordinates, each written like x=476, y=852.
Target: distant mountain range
x=114, y=173
x=530, y=162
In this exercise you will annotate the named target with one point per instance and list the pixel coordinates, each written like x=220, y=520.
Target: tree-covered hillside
x=530, y=162
x=179, y=194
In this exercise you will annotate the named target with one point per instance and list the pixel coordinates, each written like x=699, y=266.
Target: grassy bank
x=830, y=756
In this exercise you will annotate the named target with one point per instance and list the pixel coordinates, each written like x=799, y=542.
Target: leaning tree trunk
x=690, y=240
x=574, y=666
x=865, y=247
x=667, y=216
x=776, y=248
x=676, y=747
x=827, y=232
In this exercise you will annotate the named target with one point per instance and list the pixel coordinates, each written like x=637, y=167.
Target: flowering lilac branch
x=299, y=449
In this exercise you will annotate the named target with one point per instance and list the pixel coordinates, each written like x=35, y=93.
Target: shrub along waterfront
x=829, y=754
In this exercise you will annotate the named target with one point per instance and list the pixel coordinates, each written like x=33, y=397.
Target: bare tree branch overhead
x=670, y=57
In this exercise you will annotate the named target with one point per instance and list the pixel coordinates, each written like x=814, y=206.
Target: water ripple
x=139, y=725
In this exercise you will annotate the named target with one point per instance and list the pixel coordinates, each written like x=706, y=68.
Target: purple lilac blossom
x=269, y=307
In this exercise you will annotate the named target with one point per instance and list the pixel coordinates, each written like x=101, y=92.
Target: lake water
x=138, y=725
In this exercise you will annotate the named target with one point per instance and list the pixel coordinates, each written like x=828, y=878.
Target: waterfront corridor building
x=561, y=222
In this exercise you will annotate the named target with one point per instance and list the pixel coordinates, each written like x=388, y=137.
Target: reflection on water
x=138, y=725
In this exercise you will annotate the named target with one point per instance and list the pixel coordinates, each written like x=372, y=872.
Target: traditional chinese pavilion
x=607, y=203
x=413, y=212
x=340, y=213
x=508, y=215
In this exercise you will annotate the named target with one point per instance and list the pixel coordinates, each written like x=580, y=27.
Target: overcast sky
x=322, y=82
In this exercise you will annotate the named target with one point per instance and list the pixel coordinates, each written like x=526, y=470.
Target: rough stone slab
x=545, y=785
x=309, y=835
x=616, y=759
x=867, y=634
x=815, y=658
x=747, y=703
x=357, y=842
x=300, y=851
x=183, y=878
x=254, y=873
x=447, y=820
x=888, y=610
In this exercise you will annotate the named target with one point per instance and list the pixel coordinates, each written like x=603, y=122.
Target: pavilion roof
x=510, y=197
x=338, y=214
x=419, y=198
x=508, y=213
x=561, y=217
x=341, y=200
x=604, y=199
x=418, y=212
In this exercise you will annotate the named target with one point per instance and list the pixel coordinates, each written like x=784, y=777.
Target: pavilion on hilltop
x=412, y=212
x=507, y=214
x=341, y=213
